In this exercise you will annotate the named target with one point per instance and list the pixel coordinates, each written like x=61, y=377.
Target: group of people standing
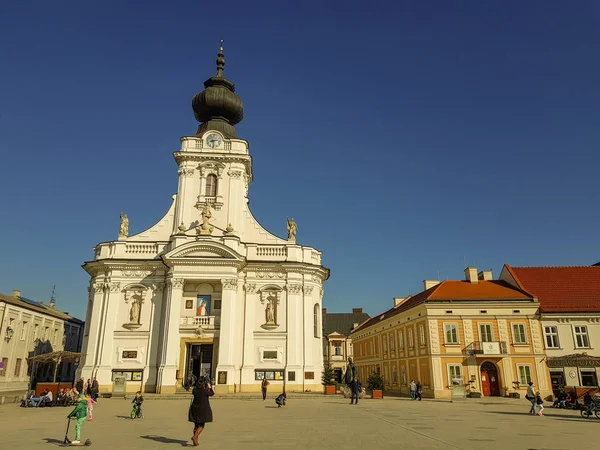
x=90, y=388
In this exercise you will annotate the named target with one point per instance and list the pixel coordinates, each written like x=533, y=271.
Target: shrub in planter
x=375, y=385
x=328, y=379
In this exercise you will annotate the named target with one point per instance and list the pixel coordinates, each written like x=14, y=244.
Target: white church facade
x=206, y=290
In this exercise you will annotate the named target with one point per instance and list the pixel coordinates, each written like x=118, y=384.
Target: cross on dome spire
x=220, y=61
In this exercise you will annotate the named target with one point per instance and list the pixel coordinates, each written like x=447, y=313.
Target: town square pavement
x=315, y=422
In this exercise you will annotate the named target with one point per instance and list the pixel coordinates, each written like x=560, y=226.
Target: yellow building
x=478, y=335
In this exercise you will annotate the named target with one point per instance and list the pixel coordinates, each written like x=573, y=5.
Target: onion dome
x=217, y=107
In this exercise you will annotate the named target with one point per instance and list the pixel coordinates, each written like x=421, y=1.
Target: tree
x=328, y=377
x=375, y=382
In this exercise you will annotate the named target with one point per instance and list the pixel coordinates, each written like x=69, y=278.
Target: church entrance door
x=199, y=361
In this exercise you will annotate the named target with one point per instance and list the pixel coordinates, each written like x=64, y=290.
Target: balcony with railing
x=485, y=348
x=206, y=322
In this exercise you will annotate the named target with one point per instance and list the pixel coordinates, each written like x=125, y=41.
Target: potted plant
x=328, y=379
x=375, y=385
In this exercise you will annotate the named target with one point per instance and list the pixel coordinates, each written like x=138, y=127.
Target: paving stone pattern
x=311, y=423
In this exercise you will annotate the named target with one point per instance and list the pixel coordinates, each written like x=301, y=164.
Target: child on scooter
x=80, y=412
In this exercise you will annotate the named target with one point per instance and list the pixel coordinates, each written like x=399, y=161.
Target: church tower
x=206, y=291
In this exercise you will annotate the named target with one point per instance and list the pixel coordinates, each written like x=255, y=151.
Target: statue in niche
x=124, y=228
x=270, y=312
x=134, y=312
x=292, y=229
x=205, y=228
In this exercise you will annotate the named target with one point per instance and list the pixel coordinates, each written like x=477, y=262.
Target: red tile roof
x=561, y=289
x=455, y=290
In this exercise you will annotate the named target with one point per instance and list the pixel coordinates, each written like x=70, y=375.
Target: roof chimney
x=485, y=275
x=471, y=275
x=356, y=310
x=16, y=293
x=428, y=284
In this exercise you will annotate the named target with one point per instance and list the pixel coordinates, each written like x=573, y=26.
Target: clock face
x=213, y=140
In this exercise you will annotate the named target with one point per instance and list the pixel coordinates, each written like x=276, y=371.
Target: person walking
x=413, y=390
x=88, y=388
x=263, y=388
x=539, y=402
x=530, y=395
x=355, y=388
x=200, y=412
x=418, y=390
x=90, y=407
x=95, y=389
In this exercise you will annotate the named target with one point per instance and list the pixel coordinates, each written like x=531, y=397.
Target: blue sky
x=406, y=138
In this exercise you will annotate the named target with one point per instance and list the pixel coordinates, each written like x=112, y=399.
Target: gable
x=207, y=251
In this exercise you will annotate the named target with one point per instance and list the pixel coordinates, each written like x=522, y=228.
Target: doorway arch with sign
x=490, y=384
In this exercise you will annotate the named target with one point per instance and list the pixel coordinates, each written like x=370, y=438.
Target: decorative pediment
x=206, y=251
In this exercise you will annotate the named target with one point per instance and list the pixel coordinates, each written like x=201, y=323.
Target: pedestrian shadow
x=272, y=407
x=123, y=417
x=166, y=440
x=53, y=441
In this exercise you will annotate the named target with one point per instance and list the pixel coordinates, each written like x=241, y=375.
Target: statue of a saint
x=124, y=229
x=205, y=228
x=270, y=312
x=292, y=229
x=134, y=312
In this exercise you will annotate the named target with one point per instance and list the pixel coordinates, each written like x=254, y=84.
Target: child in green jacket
x=80, y=412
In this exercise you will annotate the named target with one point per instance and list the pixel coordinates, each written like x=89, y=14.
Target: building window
x=36, y=330
x=581, y=337
x=454, y=374
x=18, y=367
x=485, y=332
x=4, y=367
x=524, y=374
x=316, y=320
x=451, y=333
x=24, y=331
x=551, y=334
x=291, y=376
x=588, y=378
x=392, y=342
x=211, y=185
x=411, y=341
x=422, y=335
x=337, y=349
x=401, y=340
x=384, y=342
x=519, y=335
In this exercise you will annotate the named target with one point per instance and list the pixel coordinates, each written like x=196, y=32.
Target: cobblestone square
x=311, y=423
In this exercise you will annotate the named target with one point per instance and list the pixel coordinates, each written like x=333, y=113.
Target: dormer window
x=211, y=185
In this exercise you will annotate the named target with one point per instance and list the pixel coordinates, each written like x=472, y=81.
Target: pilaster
x=151, y=372
x=248, y=355
x=98, y=292
x=169, y=343
x=227, y=334
x=105, y=357
x=182, y=214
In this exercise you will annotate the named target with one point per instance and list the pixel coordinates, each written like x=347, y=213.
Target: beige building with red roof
x=476, y=335
x=569, y=299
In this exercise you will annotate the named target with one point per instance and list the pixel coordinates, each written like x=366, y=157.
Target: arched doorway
x=490, y=385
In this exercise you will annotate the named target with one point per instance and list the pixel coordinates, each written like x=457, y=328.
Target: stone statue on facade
x=270, y=312
x=134, y=312
x=205, y=228
x=124, y=228
x=292, y=229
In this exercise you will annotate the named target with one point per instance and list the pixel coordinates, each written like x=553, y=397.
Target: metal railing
x=486, y=348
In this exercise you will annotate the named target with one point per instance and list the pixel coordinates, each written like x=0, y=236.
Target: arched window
x=211, y=185
x=316, y=320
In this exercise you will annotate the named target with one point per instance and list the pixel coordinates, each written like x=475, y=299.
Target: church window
x=211, y=185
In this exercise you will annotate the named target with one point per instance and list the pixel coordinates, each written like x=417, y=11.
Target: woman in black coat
x=200, y=412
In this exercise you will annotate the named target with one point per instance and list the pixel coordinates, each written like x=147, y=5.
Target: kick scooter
x=67, y=442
